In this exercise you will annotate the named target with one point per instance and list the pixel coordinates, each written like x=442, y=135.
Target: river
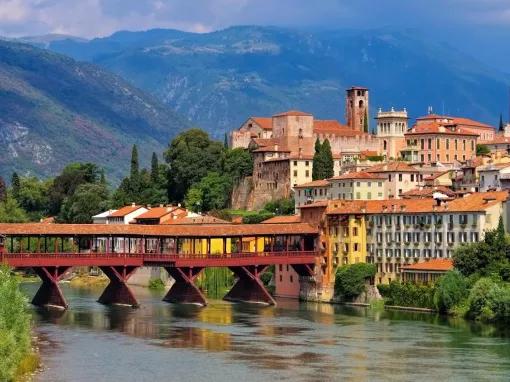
x=241, y=342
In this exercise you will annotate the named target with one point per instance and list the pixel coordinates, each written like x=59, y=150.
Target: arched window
x=360, y=103
x=385, y=145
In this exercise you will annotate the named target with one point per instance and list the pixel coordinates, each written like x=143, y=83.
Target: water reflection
x=302, y=341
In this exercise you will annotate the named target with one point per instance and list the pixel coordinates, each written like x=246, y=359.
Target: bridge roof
x=184, y=230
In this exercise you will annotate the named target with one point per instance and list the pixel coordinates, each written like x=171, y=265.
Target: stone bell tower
x=356, y=109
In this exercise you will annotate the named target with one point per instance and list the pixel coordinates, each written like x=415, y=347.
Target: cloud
x=90, y=18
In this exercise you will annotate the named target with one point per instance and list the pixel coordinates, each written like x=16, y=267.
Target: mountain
x=218, y=79
x=54, y=110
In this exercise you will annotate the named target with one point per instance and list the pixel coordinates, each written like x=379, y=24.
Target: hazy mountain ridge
x=54, y=110
x=218, y=79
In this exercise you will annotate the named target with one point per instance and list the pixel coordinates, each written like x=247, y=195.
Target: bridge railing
x=153, y=256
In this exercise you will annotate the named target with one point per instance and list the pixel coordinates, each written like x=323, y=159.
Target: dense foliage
x=350, y=280
x=198, y=171
x=323, y=164
x=14, y=326
x=451, y=290
x=408, y=294
x=482, y=149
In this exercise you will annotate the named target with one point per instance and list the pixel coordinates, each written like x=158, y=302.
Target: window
x=358, y=184
x=291, y=279
x=356, y=247
x=379, y=184
x=422, y=144
x=355, y=231
x=447, y=144
x=400, y=177
x=463, y=219
x=437, y=143
x=295, y=163
x=358, y=195
x=430, y=143
x=307, y=163
x=389, y=178
x=412, y=177
x=456, y=145
x=307, y=173
x=295, y=173
x=369, y=195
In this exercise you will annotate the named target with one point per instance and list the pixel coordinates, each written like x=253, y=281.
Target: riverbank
x=89, y=281
x=19, y=356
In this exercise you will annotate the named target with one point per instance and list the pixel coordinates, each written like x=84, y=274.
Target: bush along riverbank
x=17, y=357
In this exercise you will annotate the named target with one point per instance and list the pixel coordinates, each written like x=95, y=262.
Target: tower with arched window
x=356, y=109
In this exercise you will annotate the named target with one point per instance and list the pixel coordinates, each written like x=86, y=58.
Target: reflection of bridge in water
x=118, y=250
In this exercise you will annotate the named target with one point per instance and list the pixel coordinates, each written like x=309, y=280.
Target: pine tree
x=365, y=122
x=327, y=160
x=317, y=164
x=3, y=190
x=225, y=141
x=501, y=125
x=15, y=184
x=501, y=229
x=154, y=169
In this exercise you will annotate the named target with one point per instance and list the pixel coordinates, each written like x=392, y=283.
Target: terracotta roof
x=357, y=175
x=159, y=212
x=334, y=127
x=263, y=122
x=471, y=123
x=160, y=230
x=125, y=211
x=438, y=128
x=498, y=139
x=272, y=148
x=319, y=203
x=437, y=175
x=442, y=265
x=283, y=219
x=392, y=167
x=494, y=166
x=433, y=116
x=292, y=112
x=315, y=183
x=475, y=202
x=427, y=192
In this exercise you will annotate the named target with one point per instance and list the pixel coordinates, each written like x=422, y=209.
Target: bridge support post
x=248, y=287
x=184, y=290
x=117, y=292
x=49, y=293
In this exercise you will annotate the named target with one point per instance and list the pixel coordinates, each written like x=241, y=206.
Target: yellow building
x=347, y=239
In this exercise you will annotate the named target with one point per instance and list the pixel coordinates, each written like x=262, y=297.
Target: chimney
x=161, y=205
x=394, y=207
x=133, y=204
x=384, y=208
x=402, y=207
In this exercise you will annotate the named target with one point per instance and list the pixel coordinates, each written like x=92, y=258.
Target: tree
x=154, y=169
x=350, y=280
x=225, y=141
x=64, y=185
x=317, y=165
x=237, y=164
x=451, y=289
x=281, y=207
x=88, y=200
x=10, y=211
x=190, y=156
x=327, y=160
x=365, y=122
x=33, y=197
x=15, y=184
x=482, y=149
x=501, y=124
x=3, y=190
x=212, y=192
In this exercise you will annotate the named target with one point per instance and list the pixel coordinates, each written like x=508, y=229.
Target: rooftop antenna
x=429, y=110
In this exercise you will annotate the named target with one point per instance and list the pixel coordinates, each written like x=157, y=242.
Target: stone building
x=391, y=127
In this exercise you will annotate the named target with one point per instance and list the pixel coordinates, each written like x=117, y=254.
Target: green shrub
x=350, y=280
x=451, y=289
x=156, y=284
x=257, y=217
x=14, y=326
x=489, y=300
x=408, y=294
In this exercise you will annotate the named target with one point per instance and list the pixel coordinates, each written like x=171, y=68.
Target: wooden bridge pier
x=49, y=293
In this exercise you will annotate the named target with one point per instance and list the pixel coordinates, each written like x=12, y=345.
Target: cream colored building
x=400, y=177
x=357, y=186
x=391, y=126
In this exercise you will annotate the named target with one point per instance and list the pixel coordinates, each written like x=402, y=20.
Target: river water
x=241, y=342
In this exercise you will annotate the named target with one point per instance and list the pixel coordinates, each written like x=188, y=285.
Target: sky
x=479, y=27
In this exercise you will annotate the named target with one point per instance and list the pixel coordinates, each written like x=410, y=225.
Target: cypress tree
x=501, y=125
x=135, y=168
x=154, y=169
x=327, y=160
x=3, y=190
x=225, y=141
x=15, y=184
x=317, y=163
x=365, y=122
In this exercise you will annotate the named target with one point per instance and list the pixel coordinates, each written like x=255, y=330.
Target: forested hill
x=217, y=79
x=54, y=110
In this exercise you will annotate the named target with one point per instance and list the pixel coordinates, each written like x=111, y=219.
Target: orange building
x=433, y=142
